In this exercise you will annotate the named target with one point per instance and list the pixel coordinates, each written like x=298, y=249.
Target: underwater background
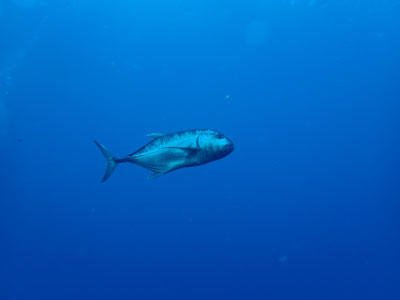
x=306, y=207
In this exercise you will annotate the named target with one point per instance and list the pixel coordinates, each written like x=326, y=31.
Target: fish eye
x=219, y=136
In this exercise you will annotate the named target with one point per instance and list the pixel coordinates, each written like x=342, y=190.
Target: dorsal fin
x=155, y=135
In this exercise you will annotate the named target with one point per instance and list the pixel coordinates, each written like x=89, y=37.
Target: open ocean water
x=306, y=207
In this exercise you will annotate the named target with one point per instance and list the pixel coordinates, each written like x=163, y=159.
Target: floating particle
x=283, y=259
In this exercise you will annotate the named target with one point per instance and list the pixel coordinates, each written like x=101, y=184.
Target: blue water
x=306, y=207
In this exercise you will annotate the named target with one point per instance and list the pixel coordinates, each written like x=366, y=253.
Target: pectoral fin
x=155, y=135
x=166, y=159
x=187, y=151
x=155, y=175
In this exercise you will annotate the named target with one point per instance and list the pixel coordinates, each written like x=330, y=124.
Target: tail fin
x=111, y=161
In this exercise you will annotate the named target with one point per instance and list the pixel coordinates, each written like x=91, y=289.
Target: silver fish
x=169, y=152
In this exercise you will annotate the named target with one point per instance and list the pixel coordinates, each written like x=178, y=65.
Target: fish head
x=216, y=144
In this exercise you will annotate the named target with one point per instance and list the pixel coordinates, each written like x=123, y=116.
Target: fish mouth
x=228, y=148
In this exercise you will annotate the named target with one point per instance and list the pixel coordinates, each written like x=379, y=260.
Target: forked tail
x=112, y=161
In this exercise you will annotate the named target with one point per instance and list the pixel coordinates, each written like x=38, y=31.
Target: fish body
x=169, y=152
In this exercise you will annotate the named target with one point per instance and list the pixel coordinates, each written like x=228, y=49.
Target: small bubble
x=283, y=259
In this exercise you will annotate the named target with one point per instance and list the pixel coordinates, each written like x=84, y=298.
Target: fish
x=173, y=151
